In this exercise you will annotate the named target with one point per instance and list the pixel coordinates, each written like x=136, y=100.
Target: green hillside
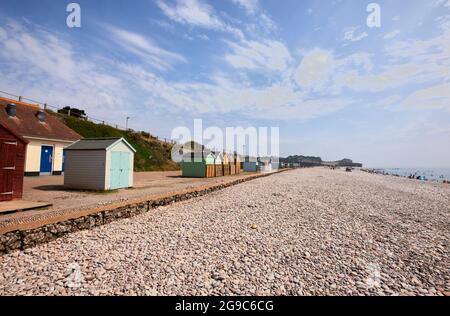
x=151, y=154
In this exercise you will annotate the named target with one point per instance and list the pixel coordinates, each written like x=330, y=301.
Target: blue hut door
x=120, y=164
x=115, y=170
x=124, y=165
x=46, y=159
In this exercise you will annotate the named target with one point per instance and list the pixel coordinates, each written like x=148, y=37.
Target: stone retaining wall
x=23, y=239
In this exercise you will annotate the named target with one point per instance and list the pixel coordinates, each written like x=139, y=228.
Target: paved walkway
x=72, y=204
x=20, y=205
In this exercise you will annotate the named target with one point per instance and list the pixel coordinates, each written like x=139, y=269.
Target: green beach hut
x=198, y=165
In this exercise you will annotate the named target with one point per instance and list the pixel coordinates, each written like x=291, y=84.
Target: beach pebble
x=302, y=232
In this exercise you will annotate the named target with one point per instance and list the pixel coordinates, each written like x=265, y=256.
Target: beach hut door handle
x=7, y=193
x=9, y=168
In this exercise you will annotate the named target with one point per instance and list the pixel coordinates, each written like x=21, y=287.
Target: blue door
x=124, y=171
x=115, y=171
x=64, y=159
x=120, y=170
x=46, y=159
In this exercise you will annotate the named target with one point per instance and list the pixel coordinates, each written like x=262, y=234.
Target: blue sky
x=334, y=86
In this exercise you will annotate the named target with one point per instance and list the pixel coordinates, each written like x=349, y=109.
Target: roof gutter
x=51, y=139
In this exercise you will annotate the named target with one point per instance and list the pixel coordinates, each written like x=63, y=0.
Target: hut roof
x=26, y=124
x=97, y=144
x=197, y=155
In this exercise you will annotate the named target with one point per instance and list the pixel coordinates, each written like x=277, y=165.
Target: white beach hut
x=99, y=164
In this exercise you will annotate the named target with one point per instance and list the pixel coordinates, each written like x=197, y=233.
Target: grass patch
x=151, y=154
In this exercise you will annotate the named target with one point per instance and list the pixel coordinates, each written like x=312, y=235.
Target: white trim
x=119, y=140
x=50, y=139
x=10, y=143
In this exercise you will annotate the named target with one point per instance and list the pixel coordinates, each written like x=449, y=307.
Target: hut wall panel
x=8, y=155
x=210, y=171
x=19, y=171
x=226, y=170
x=219, y=170
x=232, y=169
x=85, y=171
x=12, y=153
x=193, y=169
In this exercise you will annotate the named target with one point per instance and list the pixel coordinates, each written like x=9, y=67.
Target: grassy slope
x=151, y=154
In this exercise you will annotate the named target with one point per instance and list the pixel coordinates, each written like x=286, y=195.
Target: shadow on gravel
x=61, y=188
x=51, y=188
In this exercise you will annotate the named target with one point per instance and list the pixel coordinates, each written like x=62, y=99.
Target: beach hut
x=218, y=164
x=232, y=169
x=226, y=164
x=250, y=164
x=200, y=164
x=12, y=164
x=99, y=164
x=235, y=164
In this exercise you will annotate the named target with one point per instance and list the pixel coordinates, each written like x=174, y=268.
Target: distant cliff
x=310, y=161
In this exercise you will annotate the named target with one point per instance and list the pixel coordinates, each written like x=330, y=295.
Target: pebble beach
x=302, y=232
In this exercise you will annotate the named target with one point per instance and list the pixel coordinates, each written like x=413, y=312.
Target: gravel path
x=303, y=232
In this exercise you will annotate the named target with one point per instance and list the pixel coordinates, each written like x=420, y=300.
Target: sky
x=335, y=87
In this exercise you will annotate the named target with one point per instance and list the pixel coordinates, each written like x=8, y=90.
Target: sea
x=432, y=174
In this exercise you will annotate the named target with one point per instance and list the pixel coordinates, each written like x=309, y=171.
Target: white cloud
x=390, y=101
x=38, y=64
x=145, y=48
x=265, y=55
x=203, y=37
x=392, y=34
x=445, y=3
x=353, y=34
x=392, y=77
x=3, y=34
x=251, y=6
x=191, y=12
x=196, y=13
x=315, y=69
x=48, y=68
x=279, y=101
x=435, y=97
